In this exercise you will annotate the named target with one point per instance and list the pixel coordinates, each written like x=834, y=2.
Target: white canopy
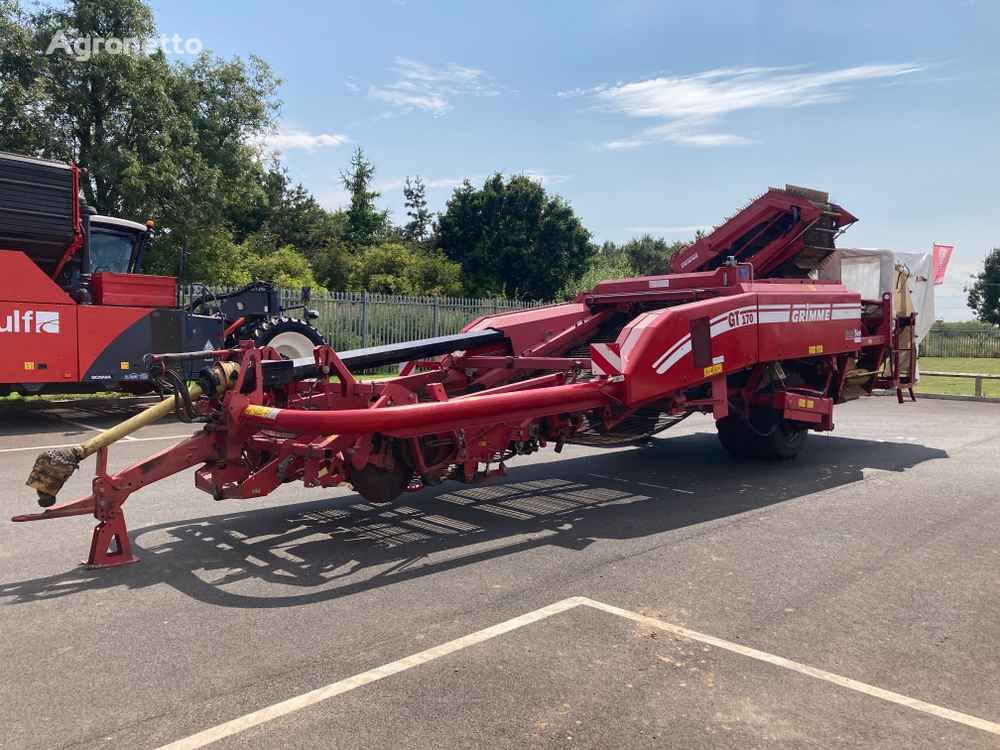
x=872, y=271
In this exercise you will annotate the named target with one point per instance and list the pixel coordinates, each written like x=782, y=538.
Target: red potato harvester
x=740, y=330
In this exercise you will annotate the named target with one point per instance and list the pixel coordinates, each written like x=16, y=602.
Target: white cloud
x=420, y=86
x=333, y=198
x=690, y=107
x=444, y=183
x=545, y=178
x=288, y=139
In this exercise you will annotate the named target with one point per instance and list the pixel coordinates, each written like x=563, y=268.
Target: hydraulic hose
x=442, y=416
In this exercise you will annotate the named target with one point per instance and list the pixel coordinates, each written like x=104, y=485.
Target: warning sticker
x=713, y=370
x=266, y=412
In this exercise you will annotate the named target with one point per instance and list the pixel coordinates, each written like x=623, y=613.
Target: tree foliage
x=365, y=224
x=419, y=225
x=284, y=267
x=181, y=142
x=512, y=238
x=650, y=256
x=984, y=292
x=394, y=268
x=169, y=140
x=640, y=256
x=289, y=214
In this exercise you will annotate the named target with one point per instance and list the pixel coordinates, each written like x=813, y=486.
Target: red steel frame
x=707, y=341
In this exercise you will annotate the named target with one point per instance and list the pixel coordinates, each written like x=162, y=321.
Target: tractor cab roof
x=111, y=222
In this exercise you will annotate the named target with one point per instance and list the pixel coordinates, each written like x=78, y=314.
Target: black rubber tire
x=378, y=485
x=265, y=332
x=783, y=443
x=736, y=437
x=767, y=438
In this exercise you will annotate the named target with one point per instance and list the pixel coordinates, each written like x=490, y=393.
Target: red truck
x=76, y=313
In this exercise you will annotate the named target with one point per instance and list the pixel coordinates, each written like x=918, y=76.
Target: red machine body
x=767, y=357
x=51, y=339
x=75, y=313
x=133, y=290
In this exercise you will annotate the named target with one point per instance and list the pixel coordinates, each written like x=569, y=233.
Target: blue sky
x=660, y=117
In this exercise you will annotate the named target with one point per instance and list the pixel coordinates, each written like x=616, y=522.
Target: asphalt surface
x=873, y=556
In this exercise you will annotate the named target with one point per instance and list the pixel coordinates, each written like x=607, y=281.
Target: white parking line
x=664, y=487
x=299, y=702
x=277, y=710
x=73, y=445
x=819, y=674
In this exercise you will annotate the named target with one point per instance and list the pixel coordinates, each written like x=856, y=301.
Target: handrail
x=978, y=376
x=985, y=376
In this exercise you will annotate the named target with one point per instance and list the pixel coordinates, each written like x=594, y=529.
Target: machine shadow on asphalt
x=336, y=547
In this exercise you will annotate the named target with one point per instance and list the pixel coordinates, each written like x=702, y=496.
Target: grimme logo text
x=29, y=321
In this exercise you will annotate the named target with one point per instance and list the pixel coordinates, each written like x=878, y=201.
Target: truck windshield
x=110, y=251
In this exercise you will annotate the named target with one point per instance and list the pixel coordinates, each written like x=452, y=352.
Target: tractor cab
x=116, y=245
x=111, y=261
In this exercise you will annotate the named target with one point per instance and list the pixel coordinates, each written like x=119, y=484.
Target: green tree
x=288, y=214
x=984, y=292
x=394, y=268
x=332, y=265
x=608, y=262
x=284, y=267
x=170, y=140
x=650, y=256
x=365, y=224
x=418, y=227
x=512, y=238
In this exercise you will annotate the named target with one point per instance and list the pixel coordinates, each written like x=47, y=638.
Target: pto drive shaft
x=53, y=467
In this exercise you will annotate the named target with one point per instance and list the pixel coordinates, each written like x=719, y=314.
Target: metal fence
x=351, y=320
x=951, y=343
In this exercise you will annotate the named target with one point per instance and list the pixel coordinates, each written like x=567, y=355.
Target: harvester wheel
x=291, y=337
x=380, y=485
x=736, y=437
x=766, y=436
x=784, y=442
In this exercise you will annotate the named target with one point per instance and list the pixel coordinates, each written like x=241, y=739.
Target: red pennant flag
x=942, y=254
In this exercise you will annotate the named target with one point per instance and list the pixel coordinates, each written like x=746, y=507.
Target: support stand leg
x=110, y=545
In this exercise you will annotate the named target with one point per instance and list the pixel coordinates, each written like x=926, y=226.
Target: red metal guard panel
x=134, y=290
x=793, y=324
x=658, y=348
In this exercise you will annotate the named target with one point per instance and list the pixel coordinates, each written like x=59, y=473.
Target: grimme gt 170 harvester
x=740, y=330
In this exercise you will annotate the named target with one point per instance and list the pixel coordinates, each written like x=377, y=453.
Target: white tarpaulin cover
x=872, y=272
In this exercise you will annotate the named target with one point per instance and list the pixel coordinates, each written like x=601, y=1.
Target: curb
x=944, y=397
